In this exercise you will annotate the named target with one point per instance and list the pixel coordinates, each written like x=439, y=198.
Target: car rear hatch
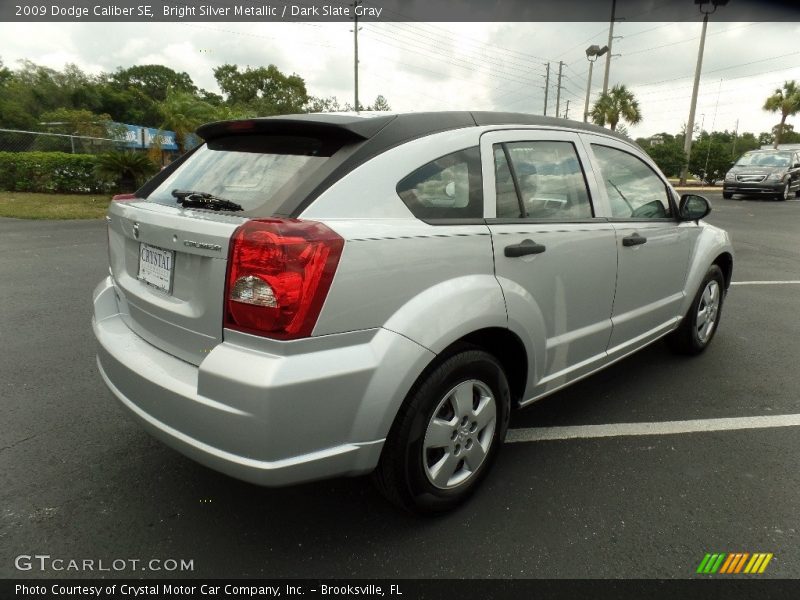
x=169, y=267
x=169, y=261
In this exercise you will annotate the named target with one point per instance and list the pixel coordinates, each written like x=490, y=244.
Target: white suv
x=320, y=295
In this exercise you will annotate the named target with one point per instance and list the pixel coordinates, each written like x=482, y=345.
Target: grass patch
x=25, y=205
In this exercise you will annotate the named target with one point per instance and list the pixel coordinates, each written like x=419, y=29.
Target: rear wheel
x=700, y=324
x=446, y=434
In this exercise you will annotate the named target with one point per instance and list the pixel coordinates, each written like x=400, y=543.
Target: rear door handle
x=524, y=248
x=634, y=240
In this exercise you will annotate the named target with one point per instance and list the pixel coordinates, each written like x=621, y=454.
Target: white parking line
x=539, y=434
x=790, y=282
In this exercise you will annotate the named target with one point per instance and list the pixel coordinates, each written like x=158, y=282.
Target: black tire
x=727, y=195
x=784, y=194
x=687, y=339
x=401, y=474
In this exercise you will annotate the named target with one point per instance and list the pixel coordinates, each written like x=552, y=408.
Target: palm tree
x=618, y=104
x=787, y=101
x=126, y=169
x=183, y=112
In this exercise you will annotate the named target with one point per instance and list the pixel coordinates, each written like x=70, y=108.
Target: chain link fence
x=13, y=140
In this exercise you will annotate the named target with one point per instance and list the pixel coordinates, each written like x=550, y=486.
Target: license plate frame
x=156, y=267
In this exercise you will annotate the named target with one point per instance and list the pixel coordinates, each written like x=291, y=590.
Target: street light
x=596, y=52
x=687, y=146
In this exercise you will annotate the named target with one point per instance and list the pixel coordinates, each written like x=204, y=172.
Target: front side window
x=544, y=180
x=450, y=187
x=634, y=190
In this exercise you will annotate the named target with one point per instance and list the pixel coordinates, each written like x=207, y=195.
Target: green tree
x=614, y=106
x=745, y=142
x=380, y=104
x=318, y=104
x=182, y=112
x=5, y=73
x=668, y=156
x=710, y=159
x=154, y=81
x=785, y=100
x=789, y=135
x=76, y=121
x=266, y=90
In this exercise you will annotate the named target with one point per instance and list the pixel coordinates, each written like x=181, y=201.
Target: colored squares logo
x=734, y=563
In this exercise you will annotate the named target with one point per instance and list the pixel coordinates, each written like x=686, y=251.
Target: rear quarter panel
x=430, y=283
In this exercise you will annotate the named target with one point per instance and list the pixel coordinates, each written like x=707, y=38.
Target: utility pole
x=566, y=112
x=735, y=135
x=558, y=87
x=687, y=144
x=546, y=87
x=610, y=42
x=355, y=51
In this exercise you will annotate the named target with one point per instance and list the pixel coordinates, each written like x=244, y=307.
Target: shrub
x=50, y=172
x=127, y=169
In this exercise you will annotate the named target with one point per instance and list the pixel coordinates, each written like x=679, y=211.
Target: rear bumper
x=272, y=413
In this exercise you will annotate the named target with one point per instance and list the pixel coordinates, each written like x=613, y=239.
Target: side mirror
x=693, y=207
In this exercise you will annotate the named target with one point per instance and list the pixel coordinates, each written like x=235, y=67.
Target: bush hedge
x=50, y=172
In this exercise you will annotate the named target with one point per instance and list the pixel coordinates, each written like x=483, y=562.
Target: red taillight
x=279, y=273
x=123, y=197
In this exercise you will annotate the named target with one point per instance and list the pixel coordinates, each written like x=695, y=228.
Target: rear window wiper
x=189, y=198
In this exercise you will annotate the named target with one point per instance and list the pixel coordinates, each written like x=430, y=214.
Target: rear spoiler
x=324, y=126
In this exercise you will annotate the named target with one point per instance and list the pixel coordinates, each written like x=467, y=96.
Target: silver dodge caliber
x=320, y=295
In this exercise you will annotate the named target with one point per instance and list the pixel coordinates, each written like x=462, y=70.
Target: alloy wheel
x=459, y=434
x=707, y=311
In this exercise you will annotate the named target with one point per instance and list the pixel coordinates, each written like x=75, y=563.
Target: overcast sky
x=455, y=66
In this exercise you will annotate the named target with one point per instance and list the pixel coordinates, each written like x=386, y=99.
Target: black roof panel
x=398, y=127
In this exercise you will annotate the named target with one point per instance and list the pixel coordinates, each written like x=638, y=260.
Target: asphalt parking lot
x=79, y=480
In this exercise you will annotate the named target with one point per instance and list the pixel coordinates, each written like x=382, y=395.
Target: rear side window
x=450, y=187
x=543, y=181
x=257, y=172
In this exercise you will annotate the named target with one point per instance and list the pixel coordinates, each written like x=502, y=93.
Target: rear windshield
x=258, y=172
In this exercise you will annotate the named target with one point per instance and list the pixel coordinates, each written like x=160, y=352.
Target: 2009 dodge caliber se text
x=319, y=295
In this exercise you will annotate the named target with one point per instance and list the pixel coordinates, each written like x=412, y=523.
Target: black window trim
x=513, y=171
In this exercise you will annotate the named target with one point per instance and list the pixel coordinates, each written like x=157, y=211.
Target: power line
x=498, y=62
x=454, y=61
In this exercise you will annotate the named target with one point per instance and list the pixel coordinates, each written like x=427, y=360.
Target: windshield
x=254, y=171
x=764, y=159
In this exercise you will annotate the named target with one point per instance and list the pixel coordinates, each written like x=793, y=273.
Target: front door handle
x=634, y=240
x=524, y=248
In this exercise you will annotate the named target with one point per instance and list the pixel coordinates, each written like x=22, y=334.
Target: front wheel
x=784, y=195
x=446, y=434
x=700, y=324
x=727, y=195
